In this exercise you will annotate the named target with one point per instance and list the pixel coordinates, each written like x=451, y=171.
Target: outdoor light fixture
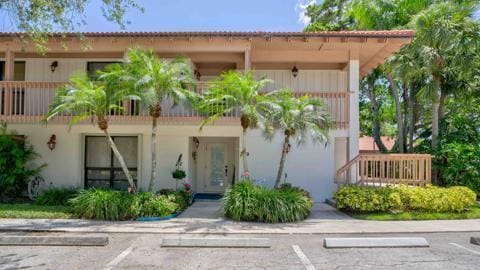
x=196, y=143
x=53, y=66
x=294, y=71
x=52, y=142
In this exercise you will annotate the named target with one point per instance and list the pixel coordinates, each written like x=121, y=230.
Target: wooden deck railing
x=386, y=169
x=27, y=102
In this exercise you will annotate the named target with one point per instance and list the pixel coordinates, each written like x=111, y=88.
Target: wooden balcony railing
x=386, y=169
x=28, y=102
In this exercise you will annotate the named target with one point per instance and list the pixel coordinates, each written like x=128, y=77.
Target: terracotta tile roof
x=385, y=34
x=368, y=144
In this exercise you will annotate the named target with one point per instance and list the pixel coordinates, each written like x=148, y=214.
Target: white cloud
x=300, y=8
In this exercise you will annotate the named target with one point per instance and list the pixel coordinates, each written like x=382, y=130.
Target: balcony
x=27, y=102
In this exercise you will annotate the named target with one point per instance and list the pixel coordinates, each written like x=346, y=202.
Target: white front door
x=218, y=170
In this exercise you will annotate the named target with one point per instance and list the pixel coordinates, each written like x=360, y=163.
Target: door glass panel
x=127, y=146
x=98, y=174
x=217, y=165
x=98, y=152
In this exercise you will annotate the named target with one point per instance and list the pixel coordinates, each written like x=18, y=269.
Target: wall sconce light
x=52, y=142
x=294, y=71
x=196, y=144
x=197, y=74
x=53, y=66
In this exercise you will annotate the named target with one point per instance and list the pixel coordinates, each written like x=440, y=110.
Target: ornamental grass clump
x=104, y=204
x=249, y=202
x=56, y=196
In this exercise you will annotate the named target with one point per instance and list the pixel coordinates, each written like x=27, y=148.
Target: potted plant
x=178, y=173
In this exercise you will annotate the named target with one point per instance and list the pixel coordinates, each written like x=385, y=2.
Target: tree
x=83, y=98
x=38, y=18
x=298, y=118
x=231, y=92
x=155, y=80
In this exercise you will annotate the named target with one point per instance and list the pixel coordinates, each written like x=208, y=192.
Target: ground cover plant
x=382, y=203
x=27, y=210
x=246, y=201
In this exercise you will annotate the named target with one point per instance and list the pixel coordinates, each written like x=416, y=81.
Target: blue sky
x=205, y=15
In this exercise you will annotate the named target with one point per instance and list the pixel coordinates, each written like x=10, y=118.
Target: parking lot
x=144, y=251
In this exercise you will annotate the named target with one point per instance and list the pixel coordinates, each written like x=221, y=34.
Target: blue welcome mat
x=207, y=196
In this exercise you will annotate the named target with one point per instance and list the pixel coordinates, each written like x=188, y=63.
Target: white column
x=354, y=113
x=248, y=59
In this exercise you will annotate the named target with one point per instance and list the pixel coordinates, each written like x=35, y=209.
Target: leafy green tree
x=154, y=80
x=38, y=18
x=232, y=92
x=83, y=98
x=298, y=118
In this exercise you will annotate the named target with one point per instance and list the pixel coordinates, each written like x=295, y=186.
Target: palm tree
x=232, y=92
x=298, y=118
x=154, y=80
x=83, y=98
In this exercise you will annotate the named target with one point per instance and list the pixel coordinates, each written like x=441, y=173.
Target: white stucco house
x=327, y=65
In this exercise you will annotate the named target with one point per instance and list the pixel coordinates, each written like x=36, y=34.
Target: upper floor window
x=18, y=71
x=93, y=67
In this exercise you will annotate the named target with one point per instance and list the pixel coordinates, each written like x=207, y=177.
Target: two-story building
x=327, y=65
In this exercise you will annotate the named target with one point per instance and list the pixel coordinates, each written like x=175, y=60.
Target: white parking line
x=119, y=258
x=306, y=262
x=464, y=248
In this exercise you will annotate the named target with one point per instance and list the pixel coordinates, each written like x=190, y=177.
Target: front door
x=218, y=170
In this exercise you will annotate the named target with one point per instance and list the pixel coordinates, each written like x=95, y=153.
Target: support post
x=248, y=59
x=354, y=122
x=9, y=76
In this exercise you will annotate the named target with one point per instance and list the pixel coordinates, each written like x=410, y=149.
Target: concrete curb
x=217, y=242
x=376, y=242
x=20, y=240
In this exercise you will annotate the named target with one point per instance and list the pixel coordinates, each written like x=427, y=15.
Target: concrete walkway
x=205, y=217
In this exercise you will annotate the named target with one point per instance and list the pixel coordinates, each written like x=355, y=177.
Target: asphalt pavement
x=289, y=252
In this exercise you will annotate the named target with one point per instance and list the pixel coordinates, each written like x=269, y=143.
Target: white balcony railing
x=28, y=102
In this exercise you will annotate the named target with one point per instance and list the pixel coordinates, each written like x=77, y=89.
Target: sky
x=206, y=15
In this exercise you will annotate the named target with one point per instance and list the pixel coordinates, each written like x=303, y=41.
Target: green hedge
x=248, y=202
x=403, y=198
x=104, y=204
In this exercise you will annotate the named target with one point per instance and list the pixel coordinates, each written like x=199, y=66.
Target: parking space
x=144, y=251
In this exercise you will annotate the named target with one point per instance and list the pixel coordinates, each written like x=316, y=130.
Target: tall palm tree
x=232, y=92
x=298, y=118
x=83, y=98
x=154, y=80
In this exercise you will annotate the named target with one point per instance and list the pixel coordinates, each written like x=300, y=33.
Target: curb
x=11, y=240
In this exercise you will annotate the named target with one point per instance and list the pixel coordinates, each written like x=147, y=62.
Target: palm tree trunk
x=153, y=146
x=244, y=152
x=398, y=113
x=435, y=130
x=376, y=132
x=120, y=159
x=411, y=117
x=282, y=160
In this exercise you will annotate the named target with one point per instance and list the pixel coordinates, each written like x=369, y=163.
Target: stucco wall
x=309, y=166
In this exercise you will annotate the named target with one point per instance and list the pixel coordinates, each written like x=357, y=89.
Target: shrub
x=428, y=199
x=15, y=155
x=106, y=204
x=56, y=196
x=366, y=199
x=248, y=202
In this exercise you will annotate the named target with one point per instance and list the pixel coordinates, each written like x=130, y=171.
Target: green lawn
x=26, y=210
x=474, y=212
